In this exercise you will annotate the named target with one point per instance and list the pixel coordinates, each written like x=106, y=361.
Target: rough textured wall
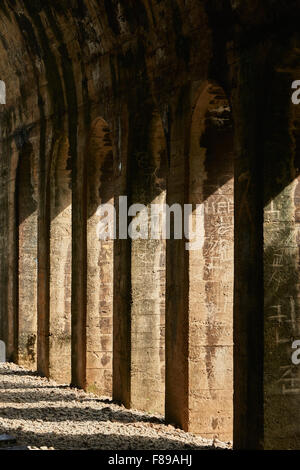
x=65, y=63
x=100, y=190
x=149, y=164
x=138, y=66
x=26, y=220
x=281, y=259
x=266, y=171
x=211, y=265
x=60, y=263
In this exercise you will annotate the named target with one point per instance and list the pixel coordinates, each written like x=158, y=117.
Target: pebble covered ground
x=43, y=415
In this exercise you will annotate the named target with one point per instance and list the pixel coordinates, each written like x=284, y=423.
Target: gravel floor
x=43, y=415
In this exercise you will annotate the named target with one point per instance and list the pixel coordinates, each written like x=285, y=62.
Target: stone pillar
x=199, y=311
x=267, y=307
x=99, y=319
x=140, y=271
x=26, y=207
x=9, y=259
x=60, y=263
x=176, y=343
x=121, y=275
x=79, y=299
x=43, y=255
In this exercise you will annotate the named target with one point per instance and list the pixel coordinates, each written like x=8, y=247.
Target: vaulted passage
x=149, y=219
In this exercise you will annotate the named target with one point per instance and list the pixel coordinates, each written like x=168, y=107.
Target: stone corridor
x=131, y=103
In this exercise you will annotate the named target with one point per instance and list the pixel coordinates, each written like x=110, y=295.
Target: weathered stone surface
x=157, y=101
x=204, y=360
x=26, y=195
x=139, y=301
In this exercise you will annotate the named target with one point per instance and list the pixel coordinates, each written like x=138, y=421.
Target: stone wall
x=160, y=101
